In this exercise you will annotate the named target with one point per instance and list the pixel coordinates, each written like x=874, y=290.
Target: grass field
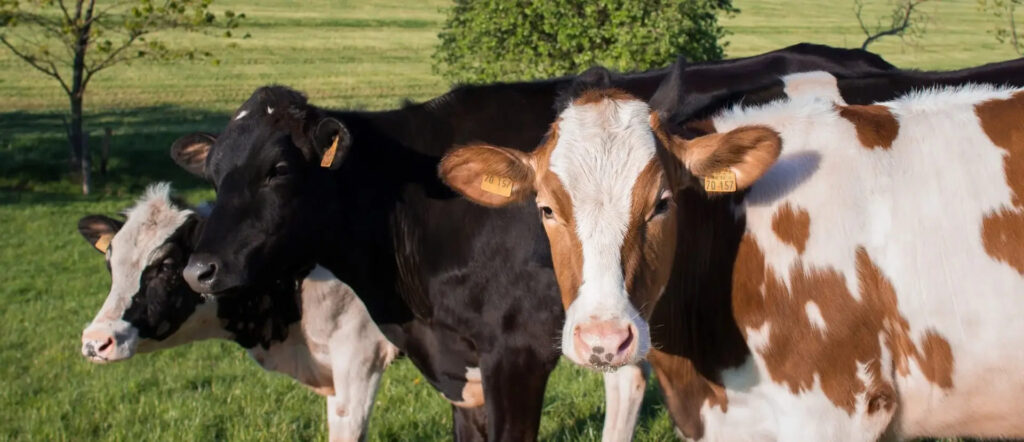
x=355, y=54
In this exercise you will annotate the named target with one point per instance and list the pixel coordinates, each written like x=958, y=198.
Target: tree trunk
x=75, y=133
x=79, y=154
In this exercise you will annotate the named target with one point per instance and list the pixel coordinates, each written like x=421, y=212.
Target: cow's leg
x=469, y=424
x=514, y=382
x=359, y=356
x=624, y=393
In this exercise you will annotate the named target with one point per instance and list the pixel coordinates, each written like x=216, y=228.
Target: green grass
x=356, y=54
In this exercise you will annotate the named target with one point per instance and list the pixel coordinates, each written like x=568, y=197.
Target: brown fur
x=646, y=260
x=463, y=169
x=749, y=151
x=598, y=95
x=875, y=124
x=852, y=332
x=792, y=226
x=1003, y=230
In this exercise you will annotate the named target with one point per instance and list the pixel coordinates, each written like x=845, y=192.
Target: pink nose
x=605, y=343
x=98, y=345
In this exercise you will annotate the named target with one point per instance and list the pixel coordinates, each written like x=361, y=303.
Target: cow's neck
x=261, y=316
x=367, y=203
x=692, y=327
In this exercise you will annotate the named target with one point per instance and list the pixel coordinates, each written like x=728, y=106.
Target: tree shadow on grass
x=34, y=152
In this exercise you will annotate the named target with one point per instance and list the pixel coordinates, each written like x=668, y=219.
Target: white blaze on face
x=601, y=150
x=150, y=222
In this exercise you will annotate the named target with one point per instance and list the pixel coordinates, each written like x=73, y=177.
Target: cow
x=808, y=269
x=312, y=327
x=464, y=291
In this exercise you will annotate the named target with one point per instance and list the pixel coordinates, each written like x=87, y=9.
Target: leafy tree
x=1005, y=32
x=503, y=40
x=73, y=40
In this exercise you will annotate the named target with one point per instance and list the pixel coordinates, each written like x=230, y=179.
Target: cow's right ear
x=740, y=156
x=190, y=152
x=488, y=175
x=99, y=230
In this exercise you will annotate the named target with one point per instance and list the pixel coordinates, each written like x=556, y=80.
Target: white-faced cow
x=311, y=328
x=826, y=271
x=464, y=291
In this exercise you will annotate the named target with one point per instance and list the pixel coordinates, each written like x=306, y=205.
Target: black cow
x=684, y=106
x=456, y=286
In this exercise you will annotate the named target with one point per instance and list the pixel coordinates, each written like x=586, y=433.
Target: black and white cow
x=463, y=290
x=312, y=328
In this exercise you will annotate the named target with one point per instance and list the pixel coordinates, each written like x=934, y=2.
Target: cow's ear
x=488, y=175
x=190, y=152
x=330, y=142
x=729, y=161
x=99, y=230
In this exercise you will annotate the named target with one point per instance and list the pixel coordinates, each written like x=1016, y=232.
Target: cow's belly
x=300, y=358
x=759, y=409
x=988, y=405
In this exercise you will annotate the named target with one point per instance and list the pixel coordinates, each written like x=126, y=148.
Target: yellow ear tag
x=723, y=181
x=497, y=185
x=103, y=243
x=328, y=157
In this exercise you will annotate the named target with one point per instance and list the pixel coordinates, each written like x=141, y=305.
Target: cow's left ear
x=743, y=154
x=98, y=230
x=488, y=175
x=330, y=141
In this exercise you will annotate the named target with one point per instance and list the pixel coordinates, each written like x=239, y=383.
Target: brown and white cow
x=315, y=330
x=861, y=275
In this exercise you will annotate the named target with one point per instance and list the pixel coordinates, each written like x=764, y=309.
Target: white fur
x=624, y=394
x=241, y=114
x=601, y=149
x=917, y=209
x=336, y=344
x=816, y=83
x=814, y=316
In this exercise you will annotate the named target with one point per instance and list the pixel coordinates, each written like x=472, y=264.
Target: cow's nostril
x=207, y=274
x=106, y=345
x=626, y=342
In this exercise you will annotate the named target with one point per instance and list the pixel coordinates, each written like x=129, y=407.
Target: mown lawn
x=356, y=54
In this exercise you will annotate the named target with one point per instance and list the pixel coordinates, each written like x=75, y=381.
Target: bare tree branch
x=110, y=60
x=32, y=61
x=902, y=21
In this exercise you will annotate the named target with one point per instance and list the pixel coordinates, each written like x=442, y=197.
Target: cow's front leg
x=514, y=382
x=624, y=394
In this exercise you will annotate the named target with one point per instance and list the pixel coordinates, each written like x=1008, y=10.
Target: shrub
x=505, y=40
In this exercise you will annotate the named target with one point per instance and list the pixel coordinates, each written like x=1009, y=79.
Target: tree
x=906, y=21
x=1007, y=31
x=503, y=40
x=73, y=40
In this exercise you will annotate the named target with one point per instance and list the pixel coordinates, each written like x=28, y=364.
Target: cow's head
x=149, y=305
x=604, y=181
x=268, y=167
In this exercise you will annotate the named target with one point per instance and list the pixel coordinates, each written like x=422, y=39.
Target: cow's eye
x=279, y=170
x=663, y=204
x=168, y=265
x=546, y=212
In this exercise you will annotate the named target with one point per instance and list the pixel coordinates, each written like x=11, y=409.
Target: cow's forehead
x=602, y=144
x=152, y=220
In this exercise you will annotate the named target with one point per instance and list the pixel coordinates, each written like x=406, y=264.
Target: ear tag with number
x=722, y=181
x=497, y=185
x=103, y=243
x=328, y=157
